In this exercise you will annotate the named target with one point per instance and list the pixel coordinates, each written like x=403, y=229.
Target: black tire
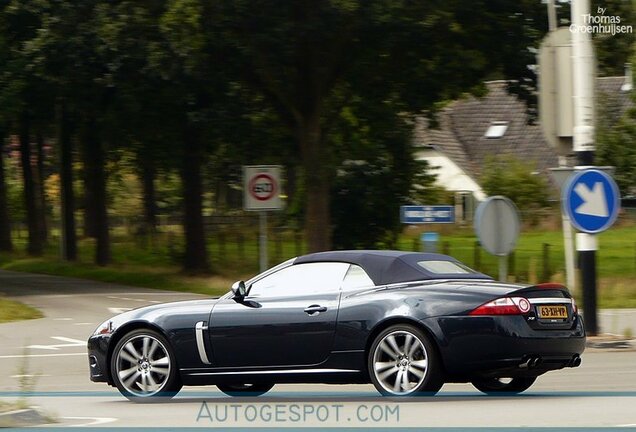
x=245, y=389
x=497, y=386
x=156, y=367
x=419, y=361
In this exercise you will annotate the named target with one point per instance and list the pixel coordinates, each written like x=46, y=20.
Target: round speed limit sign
x=261, y=185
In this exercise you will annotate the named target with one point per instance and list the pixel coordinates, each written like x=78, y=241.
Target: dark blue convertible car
x=406, y=322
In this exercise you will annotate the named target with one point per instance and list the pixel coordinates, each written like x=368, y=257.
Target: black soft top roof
x=387, y=266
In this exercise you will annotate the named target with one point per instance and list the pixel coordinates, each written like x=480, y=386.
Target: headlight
x=104, y=328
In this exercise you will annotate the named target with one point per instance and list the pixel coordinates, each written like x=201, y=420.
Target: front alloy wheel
x=402, y=361
x=144, y=368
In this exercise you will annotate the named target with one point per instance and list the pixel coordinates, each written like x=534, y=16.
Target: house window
x=497, y=129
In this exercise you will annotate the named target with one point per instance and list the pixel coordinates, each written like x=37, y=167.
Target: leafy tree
x=59, y=53
x=616, y=148
x=515, y=179
x=5, y=225
x=375, y=173
x=23, y=95
x=309, y=57
x=613, y=51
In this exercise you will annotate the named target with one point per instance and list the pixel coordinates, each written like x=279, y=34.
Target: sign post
x=591, y=201
x=261, y=192
x=497, y=226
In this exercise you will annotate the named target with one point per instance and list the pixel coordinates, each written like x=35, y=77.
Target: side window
x=301, y=279
x=356, y=277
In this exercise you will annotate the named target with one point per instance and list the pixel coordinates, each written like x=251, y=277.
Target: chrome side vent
x=198, y=329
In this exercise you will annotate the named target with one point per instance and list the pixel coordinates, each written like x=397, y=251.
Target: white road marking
x=41, y=355
x=95, y=421
x=126, y=298
x=117, y=311
x=71, y=343
x=627, y=425
x=84, y=323
x=62, y=319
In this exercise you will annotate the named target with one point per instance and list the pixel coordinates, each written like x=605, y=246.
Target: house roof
x=462, y=126
x=611, y=96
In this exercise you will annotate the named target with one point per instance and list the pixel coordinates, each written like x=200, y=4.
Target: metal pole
x=503, y=268
x=552, y=16
x=583, y=139
x=262, y=246
x=570, y=270
x=587, y=245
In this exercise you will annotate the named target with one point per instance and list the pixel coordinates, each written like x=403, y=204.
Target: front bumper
x=98, y=358
x=491, y=345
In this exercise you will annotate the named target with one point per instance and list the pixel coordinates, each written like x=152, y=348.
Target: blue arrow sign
x=427, y=214
x=591, y=200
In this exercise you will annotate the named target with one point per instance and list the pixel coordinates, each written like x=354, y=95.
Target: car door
x=287, y=319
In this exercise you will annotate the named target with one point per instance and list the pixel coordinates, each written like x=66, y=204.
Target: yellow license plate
x=553, y=312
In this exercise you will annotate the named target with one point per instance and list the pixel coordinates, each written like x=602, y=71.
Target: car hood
x=152, y=312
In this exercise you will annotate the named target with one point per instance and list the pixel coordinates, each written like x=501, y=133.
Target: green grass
x=134, y=275
x=152, y=263
x=11, y=310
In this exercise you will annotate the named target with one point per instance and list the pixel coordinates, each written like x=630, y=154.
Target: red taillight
x=504, y=306
x=574, y=309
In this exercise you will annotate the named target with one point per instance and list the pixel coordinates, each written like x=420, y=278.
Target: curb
x=23, y=417
x=624, y=344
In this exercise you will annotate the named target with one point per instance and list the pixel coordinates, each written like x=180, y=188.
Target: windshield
x=274, y=269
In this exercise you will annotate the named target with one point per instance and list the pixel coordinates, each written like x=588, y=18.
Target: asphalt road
x=51, y=352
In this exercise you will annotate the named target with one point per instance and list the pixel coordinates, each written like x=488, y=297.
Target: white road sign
x=262, y=187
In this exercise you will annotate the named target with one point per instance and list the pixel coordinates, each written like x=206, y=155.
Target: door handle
x=315, y=309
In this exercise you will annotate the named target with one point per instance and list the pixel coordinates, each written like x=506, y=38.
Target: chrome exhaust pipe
x=536, y=362
x=575, y=362
x=525, y=362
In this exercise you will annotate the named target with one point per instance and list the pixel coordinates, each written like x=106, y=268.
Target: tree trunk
x=5, y=224
x=34, y=246
x=89, y=228
x=148, y=173
x=96, y=189
x=41, y=197
x=196, y=254
x=315, y=164
x=69, y=239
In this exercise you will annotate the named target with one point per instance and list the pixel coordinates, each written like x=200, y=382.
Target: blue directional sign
x=591, y=200
x=413, y=214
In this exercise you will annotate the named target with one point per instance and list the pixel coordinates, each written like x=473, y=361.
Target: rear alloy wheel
x=245, y=389
x=494, y=386
x=144, y=368
x=403, y=361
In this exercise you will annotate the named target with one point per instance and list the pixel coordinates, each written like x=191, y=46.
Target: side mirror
x=239, y=290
